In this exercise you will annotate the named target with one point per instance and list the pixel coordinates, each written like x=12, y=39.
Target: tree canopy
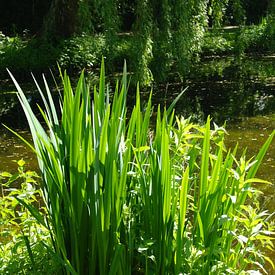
x=167, y=33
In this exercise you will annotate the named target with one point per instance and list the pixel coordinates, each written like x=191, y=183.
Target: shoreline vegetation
x=127, y=184
x=125, y=195
x=22, y=54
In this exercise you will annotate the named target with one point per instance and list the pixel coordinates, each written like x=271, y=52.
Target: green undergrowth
x=22, y=239
x=125, y=194
x=239, y=40
x=21, y=54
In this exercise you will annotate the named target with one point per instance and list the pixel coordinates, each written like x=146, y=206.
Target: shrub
x=249, y=39
x=125, y=195
x=83, y=51
x=22, y=55
x=22, y=238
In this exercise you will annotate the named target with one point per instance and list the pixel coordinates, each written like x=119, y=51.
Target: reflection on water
x=225, y=88
x=236, y=89
x=13, y=149
x=251, y=133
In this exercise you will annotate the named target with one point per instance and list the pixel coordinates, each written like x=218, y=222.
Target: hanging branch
x=216, y=11
x=189, y=25
x=142, y=54
x=162, y=52
x=111, y=27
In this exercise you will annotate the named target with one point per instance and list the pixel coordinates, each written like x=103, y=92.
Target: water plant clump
x=124, y=195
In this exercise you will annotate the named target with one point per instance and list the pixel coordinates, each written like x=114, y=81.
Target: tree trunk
x=61, y=19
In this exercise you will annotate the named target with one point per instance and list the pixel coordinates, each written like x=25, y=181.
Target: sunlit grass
x=126, y=196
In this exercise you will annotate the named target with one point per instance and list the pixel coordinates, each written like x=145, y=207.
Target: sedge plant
x=125, y=195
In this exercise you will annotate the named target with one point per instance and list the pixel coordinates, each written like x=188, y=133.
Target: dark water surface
x=225, y=88
x=240, y=92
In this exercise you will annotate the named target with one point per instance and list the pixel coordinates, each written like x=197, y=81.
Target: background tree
x=190, y=22
x=142, y=52
x=61, y=21
x=17, y=16
x=165, y=35
x=162, y=37
x=271, y=24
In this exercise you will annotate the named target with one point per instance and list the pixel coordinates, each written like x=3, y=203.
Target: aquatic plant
x=126, y=195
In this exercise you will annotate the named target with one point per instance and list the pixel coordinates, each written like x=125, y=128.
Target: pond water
x=251, y=133
x=240, y=92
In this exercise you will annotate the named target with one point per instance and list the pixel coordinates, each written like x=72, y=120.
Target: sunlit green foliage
x=22, y=239
x=125, y=194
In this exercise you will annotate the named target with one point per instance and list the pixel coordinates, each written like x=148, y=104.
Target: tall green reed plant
x=83, y=160
x=126, y=197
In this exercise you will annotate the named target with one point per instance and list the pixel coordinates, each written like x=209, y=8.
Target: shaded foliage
x=164, y=35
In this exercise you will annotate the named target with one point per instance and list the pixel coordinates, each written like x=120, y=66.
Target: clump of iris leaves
x=121, y=193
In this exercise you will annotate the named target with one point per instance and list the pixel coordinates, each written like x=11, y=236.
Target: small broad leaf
x=257, y=228
x=142, y=249
x=21, y=162
x=5, y=175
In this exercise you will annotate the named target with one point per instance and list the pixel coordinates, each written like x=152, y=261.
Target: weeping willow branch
x=143, y=45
